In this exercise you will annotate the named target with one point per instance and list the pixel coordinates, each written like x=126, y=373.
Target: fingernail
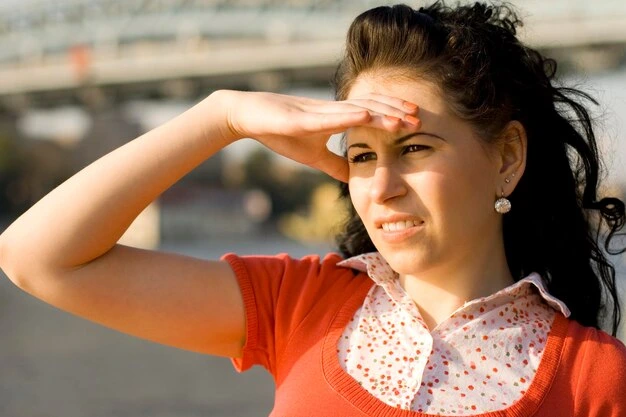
x=392, y=118
x=411, y=119
x=410, y=106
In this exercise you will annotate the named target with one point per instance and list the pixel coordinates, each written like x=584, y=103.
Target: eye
x=362, y=157
x=414, y=148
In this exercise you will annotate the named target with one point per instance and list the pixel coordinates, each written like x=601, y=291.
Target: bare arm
x=64, y=249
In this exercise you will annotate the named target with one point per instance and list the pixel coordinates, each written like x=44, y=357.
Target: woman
x=473, y=284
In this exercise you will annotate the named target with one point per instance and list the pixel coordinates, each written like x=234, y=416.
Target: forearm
x=85, y=216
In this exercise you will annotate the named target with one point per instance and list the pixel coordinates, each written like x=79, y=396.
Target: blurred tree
x=28, y=171
x=323, y=219
x=46, y=165
x=109, y=130
x=10, y=162
x=29, y=168
x=289, y=187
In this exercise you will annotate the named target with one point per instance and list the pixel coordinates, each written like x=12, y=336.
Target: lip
x=397, y=236
x=379, y=221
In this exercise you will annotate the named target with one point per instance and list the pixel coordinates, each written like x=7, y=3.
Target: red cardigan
x=296, y=309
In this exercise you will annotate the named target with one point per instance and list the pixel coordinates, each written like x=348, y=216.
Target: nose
x=386, y=183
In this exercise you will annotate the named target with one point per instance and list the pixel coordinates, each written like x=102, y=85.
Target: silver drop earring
x=503, y=204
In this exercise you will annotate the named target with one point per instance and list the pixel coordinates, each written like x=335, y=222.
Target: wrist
x=221, y=104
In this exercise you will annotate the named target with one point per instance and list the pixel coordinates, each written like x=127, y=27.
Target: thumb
x=334, y=165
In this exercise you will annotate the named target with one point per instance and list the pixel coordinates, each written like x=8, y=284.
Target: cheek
x=466, y=193
x=357, y=194
x=437, y=195
x=478, y=181
x=458, y=184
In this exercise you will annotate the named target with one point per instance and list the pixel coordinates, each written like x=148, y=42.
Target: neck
x=438, y=292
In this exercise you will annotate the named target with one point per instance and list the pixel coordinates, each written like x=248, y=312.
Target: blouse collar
x=381, y=273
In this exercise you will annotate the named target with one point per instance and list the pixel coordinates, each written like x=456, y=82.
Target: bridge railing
x=56, y=44
x=45, y=26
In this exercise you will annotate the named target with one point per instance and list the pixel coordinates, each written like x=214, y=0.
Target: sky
x=610, y=90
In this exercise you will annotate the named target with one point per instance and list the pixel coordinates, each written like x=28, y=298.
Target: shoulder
x=596, y=344
x=283, y=264
x=599, y=369
x=280, y=293
x=286, y=274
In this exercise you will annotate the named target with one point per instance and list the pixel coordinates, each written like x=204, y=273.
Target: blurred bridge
x=53, y=50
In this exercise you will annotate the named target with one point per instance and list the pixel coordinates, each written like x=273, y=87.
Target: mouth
x=399, y=226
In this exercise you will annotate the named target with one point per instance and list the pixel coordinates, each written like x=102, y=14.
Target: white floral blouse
x=480, y=359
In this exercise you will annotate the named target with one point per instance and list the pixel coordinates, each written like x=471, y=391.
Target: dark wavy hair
x=489, y=78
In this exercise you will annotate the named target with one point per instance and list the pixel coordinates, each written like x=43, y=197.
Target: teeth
x=397, y=226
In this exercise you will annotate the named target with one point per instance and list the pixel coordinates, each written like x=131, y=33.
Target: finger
x=372, y=99
x=385, y=104
x=397, y=102
x=390, y=123
x=364, y=104
x=331, y=123
x=393, y=124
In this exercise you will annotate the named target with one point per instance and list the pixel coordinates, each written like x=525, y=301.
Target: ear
x=512, y=145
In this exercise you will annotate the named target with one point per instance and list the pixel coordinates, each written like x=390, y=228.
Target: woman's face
x=425, y=197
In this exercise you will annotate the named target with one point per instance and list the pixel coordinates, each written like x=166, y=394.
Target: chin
x=405, y=261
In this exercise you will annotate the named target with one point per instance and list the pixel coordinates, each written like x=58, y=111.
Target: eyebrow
x=399, y=140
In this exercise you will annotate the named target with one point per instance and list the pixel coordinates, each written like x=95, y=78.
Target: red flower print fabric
x=480, y=359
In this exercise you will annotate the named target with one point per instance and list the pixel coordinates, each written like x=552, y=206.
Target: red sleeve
x=278, y=292
x=601, y=385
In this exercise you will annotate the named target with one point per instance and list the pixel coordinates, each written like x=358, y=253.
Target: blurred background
x=79, y=78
